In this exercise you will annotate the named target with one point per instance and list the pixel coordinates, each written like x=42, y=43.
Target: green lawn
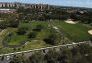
x=17, y=39
x=75, y=32
x=35, y=44
x=43, y=23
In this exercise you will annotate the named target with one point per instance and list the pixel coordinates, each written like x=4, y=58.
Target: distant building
x=7, y=10
x=17, y=5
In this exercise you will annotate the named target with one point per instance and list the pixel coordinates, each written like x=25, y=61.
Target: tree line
x=12, y=20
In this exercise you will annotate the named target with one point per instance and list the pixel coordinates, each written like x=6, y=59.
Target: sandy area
x=90, y=32
x=70, y=21
x=55, y=27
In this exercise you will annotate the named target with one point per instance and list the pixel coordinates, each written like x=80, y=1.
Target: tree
x=18, y=59
x=51, y=39
x=51, y=56
x=2, y=58
x=37, y=57
x=21, y=31
x=23, y=28
x=38, y=28
x=32, y=35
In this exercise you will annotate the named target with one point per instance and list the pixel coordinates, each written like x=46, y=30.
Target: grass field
x=75, y=32
x=16, y=40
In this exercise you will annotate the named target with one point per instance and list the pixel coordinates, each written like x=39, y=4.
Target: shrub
x=32, y=35
x=21, y=31
x=51, y=39
x=38, y=28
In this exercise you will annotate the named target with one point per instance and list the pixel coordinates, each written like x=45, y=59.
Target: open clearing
x=76, y=32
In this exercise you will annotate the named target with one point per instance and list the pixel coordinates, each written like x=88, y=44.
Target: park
x=41, y=34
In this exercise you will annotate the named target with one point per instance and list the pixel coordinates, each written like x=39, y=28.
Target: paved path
x=45, y=48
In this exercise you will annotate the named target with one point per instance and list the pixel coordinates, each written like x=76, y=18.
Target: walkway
x=84, y=42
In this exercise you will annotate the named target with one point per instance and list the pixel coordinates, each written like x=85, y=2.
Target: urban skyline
x=74, y=3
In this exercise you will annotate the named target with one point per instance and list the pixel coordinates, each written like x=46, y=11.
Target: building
x=25, y=5
x=7, y=10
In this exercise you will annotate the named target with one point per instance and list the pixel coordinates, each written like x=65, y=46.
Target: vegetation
x=80, y=54
x=76, y=32
x=35, y=34
x=30, y=29
x=26, y=35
